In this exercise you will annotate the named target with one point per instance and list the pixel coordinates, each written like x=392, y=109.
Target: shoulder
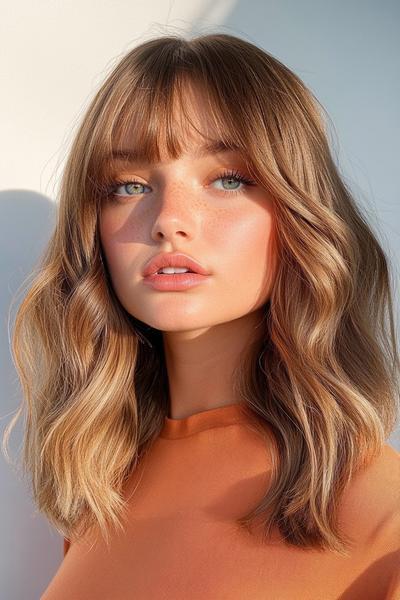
x=379, y=479
x=382, y=470
x=370, y=508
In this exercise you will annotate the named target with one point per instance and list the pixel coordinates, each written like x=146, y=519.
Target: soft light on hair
x=324, y=376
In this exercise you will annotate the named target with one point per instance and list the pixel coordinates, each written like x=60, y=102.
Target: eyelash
x=227, y=174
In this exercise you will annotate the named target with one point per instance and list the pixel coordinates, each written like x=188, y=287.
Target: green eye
x=234, y=177
x=132, y=187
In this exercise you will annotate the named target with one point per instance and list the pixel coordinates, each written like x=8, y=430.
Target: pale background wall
x=54, y=54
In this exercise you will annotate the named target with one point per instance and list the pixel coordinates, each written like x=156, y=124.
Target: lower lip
x=174, y=282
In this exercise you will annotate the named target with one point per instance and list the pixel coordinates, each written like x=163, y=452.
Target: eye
x=132, y=188
x=234, y=177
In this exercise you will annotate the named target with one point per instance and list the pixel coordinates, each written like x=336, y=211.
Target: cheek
x=119, y=251
x=243, y=246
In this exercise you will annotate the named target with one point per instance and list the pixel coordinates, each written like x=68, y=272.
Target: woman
x=219, y=433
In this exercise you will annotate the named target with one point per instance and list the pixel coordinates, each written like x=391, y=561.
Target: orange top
x=181, y=542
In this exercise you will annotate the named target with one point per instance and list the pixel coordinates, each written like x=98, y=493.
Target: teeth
x=171, y=270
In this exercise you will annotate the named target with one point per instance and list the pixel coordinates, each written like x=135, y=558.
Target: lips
x=173, y=259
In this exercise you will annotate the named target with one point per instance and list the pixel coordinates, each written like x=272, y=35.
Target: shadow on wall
x=34, y=548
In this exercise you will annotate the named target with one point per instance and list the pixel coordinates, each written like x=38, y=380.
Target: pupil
x=131, y=187
x=231, y=180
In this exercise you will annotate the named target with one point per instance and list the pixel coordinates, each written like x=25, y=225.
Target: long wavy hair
x=324, y=376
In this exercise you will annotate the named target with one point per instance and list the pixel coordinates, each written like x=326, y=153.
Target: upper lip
x=172, y=259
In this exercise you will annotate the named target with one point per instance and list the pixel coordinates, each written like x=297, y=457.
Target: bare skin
x=185, y=206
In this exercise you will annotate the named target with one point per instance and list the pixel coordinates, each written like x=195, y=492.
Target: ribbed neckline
x=201, y=421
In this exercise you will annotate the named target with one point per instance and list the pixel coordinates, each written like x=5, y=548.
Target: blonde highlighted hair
x=324, y=376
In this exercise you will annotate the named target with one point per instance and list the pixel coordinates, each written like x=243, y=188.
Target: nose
x=175, y=216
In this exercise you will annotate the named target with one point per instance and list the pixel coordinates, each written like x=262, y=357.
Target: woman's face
x=189, y=205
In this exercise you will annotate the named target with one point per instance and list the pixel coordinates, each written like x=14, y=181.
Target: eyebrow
x=137, y=156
